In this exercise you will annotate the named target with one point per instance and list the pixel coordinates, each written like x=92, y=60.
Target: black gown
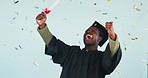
x=79, y=63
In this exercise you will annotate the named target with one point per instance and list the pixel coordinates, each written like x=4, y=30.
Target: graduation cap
x=102, y=32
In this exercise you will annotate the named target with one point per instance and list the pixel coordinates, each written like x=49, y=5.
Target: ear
x=99, y=38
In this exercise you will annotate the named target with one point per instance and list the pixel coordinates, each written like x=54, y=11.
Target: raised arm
x=113, y=38
x=54, y=47
x=113, y=53
x=43, y=29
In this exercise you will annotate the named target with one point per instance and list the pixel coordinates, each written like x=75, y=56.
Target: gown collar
x=90, y=51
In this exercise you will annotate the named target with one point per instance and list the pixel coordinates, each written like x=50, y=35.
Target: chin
x=88, y=43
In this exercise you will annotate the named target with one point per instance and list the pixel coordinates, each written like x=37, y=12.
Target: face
x=91, y=36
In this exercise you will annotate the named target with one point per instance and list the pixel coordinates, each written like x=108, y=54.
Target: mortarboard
x=102, y=32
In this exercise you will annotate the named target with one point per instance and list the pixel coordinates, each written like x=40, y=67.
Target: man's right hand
x=41, y=19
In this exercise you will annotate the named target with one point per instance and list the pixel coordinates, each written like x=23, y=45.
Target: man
x=87, y=62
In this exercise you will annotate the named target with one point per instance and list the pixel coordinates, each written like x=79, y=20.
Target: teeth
x=39, y=20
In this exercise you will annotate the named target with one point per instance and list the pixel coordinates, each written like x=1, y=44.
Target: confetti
x=129, y=34
x=125, y=48
x=16, y=13
x=15, y=2
x=20, y=46
x=22, y=29
x=140, y=3
x=12, y=20
x=136, y=8
x=26, y=18
x=80, y=2
x=135, y=38
x=16, y=48
x=36, y=64
x=115, y=17
x=95, y=3
x=119, y=72
x=143, y=60
x=109, y=0
x=104, y=13
x=98, y=11
x=36, y=7
x=79, y=42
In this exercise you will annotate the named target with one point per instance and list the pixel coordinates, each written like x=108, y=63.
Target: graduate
x=88, y=62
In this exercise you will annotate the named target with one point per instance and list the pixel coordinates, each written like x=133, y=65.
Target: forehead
x=93, y=28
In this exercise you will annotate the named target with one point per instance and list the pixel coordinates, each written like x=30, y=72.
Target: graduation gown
x=79, y=63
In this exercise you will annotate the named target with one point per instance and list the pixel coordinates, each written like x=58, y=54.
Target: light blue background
x=22, y=48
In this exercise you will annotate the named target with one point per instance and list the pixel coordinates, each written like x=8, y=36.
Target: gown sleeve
x=58, y=50
x=109, y=63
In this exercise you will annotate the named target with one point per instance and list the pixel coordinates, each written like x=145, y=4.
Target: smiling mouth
x=88, y=36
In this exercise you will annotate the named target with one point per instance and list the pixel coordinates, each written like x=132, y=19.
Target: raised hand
x=110, y=30
x=41, y=19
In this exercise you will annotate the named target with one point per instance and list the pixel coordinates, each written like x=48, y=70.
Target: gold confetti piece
x=98, y=11
x=109, y=0
x=143, y=60
x=136, y=8
x=36, y=64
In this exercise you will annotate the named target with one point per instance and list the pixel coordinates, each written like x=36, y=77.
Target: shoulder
x=74, y=47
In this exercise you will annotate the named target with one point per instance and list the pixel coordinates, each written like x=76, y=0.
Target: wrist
x=42, y=26
x=113, y=37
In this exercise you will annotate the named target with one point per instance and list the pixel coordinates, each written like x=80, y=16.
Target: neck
x=91, y=47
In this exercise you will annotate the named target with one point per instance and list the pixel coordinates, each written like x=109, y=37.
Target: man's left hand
x=110, y=30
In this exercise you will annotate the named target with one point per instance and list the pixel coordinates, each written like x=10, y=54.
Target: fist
x=41, y=19
x=110, y=30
